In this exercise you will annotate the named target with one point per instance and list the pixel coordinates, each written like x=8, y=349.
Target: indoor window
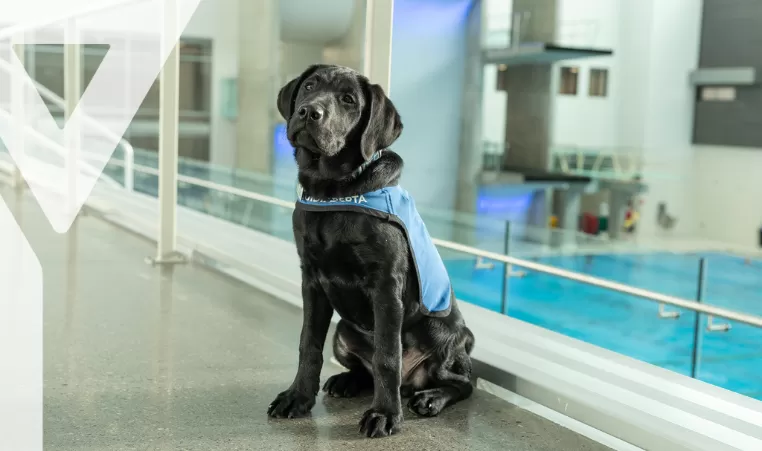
x=569, y=78
x=599, y=80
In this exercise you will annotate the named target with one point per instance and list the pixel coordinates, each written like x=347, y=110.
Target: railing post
x=698, y=336
x=129, y=167
x=710, y=326
x=507, y=270
x=169, y=107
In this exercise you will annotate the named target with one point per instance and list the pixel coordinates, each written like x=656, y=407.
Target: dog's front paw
x=428, y=403
x=291, y=404
x=349, y=384
x=380, y=423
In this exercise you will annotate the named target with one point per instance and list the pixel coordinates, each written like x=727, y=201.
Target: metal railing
x=476, y=231
x=662, y=299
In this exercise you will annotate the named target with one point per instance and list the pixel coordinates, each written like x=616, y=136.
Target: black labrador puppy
x=365, y=254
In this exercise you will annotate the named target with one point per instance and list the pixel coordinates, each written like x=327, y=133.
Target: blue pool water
x=630, y=325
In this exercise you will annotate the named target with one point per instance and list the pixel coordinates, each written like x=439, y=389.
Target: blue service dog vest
x=395, y=204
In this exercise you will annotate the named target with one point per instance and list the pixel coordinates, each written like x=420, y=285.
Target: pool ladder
x=710, y=325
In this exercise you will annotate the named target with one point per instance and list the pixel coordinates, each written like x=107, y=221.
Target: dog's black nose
x=311, y=112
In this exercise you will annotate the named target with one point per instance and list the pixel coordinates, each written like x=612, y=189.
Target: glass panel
x=638, y=221
x=731, y=359
x=734, y=281
x=619, y=322
x=256, y=215
x=670, y=273
x=474, y=280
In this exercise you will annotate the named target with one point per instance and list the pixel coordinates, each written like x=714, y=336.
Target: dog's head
x=333, y=111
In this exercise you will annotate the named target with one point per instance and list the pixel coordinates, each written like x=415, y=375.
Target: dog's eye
x=308, y=86
x=346, y=98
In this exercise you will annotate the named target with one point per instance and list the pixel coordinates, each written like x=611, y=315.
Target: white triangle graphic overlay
x=21, y=350
x=140, y=41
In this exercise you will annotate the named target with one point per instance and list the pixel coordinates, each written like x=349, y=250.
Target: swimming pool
x=630, y=325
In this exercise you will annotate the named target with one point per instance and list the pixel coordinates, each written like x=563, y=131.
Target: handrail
x=589, y=280
x=129, y=151
x=430, y=214
x=611, y=285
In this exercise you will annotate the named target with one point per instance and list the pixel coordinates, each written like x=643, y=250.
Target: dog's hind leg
x=447, y=388
x=353, y=350
x=449, y=382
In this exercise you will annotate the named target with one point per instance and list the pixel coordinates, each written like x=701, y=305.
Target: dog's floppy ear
x=287, y=94
x=384, y=123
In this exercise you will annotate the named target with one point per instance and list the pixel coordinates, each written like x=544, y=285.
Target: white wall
x=632, y=64
x=496, y=17
x=714, y=192
x=727, y=193
x=493, y=107
x=428, y=55
x=582, y=120
x=649, y=109
x=668, y=123
x=497, y=22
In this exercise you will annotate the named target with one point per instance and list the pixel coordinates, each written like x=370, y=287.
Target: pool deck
x=138, y=357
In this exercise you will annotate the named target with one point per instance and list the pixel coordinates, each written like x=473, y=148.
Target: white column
x=483, y=114
x=258, y=82
x=379, y=19
x=169, y=81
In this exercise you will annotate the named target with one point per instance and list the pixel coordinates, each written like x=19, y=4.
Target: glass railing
x=606, y=317
x=483, y=232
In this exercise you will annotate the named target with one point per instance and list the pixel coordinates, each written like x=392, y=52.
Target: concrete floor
x=139, y=358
